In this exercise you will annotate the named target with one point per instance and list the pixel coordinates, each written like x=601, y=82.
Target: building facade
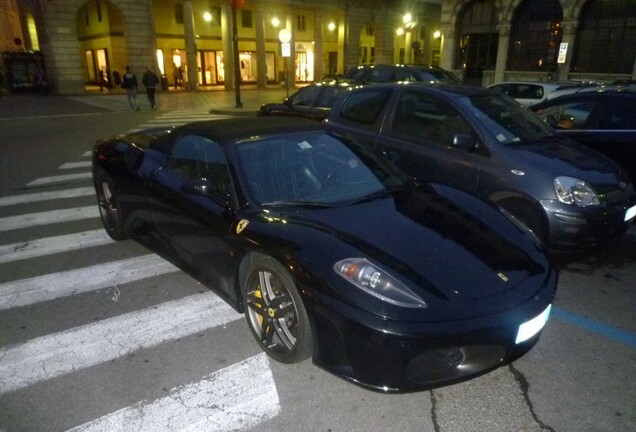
x=192, y=42
x=488, y=41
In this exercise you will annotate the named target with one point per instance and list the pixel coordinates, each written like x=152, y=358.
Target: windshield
x=505, y=119
x=312, y=169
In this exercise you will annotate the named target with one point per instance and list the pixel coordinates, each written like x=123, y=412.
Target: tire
x=109, y=207
x=275, y=312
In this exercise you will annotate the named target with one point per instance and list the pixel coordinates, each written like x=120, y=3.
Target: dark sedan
x=314, y=101
x=485, y=143
x=602, y=120
x=330, y=251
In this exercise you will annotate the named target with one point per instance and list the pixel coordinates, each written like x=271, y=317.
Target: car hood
x=448, y=255
x=565, y=157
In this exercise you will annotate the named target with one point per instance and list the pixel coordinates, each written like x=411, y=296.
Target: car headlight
x=571, y=190
x=372, y=280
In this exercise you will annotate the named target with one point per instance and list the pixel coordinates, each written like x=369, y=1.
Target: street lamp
x=284, y=36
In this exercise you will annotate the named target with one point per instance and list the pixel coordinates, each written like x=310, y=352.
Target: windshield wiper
x=379, y=194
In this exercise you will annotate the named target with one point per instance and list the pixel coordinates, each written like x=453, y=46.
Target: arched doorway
x=607, y=27
x=100, y=29
x=478, y=40
x=535, y=36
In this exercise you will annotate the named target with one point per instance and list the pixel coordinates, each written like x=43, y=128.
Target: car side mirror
x=205, y=188
x=466, y=142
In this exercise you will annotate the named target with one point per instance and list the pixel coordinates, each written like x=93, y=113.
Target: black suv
x=379, y=73
x=489, y=145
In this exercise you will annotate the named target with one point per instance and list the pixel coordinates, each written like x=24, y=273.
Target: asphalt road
x=104, y=336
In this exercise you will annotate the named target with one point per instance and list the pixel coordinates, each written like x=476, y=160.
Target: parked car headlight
x=573, y=191
x=372, y=280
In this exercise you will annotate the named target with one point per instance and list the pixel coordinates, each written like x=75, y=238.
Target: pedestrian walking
x=150, y=81
x=129, y=82
x=102, y=80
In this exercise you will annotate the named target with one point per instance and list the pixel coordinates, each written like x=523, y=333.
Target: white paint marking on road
x=48, y=217
x=87, y=153
x=235, y=398
x=61, y=353
x=63, y=284
x=60, y=179
x=73, y=165
x=52, y=245
x=46, y=196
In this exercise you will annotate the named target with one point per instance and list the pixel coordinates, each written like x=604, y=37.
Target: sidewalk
x=218, y=101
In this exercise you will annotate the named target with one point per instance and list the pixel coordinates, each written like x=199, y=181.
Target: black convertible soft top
x=227, y=130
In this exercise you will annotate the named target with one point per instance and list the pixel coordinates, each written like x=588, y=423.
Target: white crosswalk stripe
x=65, y=283
x=235, y=398
x=52, y=245
x=178, y=118
x=218, y=402
x=60, y=179
x=47, y=196
x=48, y=217
x=61, y=353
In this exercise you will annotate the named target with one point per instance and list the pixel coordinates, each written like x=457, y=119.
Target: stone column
x=448, y=47
x=569, y=35
x=226, y=36
x=318, y=53
x=291, y=61
x=502, y=52
x=408, y=46
x=343, y=49
x=191, y=45
x=261, y=61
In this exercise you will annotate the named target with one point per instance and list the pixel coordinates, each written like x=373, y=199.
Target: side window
x=198, y=158
x=365, y=107
x=619, y=114
x=327, y=97
x=424, y=116
x=404, y=75
x=306, y=97
x=380, y=75
x=525, y=91
x=568, y=115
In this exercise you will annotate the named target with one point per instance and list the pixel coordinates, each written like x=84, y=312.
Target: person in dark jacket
x=129, y=82
x=150, y=81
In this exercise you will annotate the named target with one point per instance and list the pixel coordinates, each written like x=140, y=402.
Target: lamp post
x=285, y=36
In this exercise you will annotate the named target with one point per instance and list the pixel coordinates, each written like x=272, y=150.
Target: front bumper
x=392, y=356
x=574, y=227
